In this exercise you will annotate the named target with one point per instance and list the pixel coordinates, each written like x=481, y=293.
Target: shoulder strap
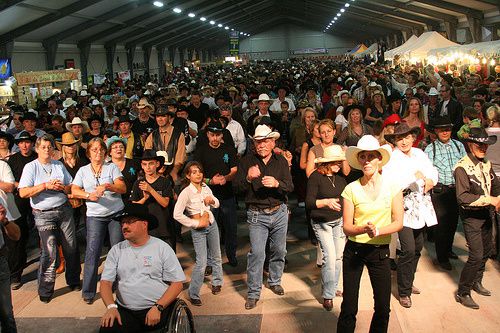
x=433, y=152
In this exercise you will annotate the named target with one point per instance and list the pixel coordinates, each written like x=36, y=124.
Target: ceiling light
x=203, y=19
x=335, y=19
x=158, y=3
x=347, y=5
x=241, y=33
x=212, y=22
x=338, y=14
x=191, y=14
x=226, y=27
x=342, y=10
x=177, y=10
x=219, y=25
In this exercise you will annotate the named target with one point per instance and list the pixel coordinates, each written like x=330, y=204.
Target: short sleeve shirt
x=142, y=272
x=110, y=203
x=378, y=211
x=34, y=173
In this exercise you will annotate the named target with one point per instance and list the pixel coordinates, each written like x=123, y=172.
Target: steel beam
x=84, y=59
x=477, y=14
x=8, y=3
x=110, y=58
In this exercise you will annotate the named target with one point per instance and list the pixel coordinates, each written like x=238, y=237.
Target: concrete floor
x=299, y=310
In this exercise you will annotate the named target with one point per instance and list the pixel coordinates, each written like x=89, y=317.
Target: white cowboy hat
x=83, y=93
x=264, y=132
x=77, y=121
x=330, y=154
x=433, y=92
x=340, y=93
x=368, y=143
x=69, y=102
x=164, y=154
x=96, y=102
x=264, y=98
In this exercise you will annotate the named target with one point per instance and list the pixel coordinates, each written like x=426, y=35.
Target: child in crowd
x=193, y=210
x=471, y=119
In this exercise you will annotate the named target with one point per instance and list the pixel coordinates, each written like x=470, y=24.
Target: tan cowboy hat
x=264, y=132
x=69, y=102
x=143, y=103
x=78, y=121
x=366, y=143
x=330, y=154
x=67, y=139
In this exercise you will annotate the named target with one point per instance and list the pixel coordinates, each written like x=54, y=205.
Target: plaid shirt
x=447, y=156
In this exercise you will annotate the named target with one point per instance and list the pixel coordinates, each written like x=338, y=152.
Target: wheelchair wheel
x=180, y=318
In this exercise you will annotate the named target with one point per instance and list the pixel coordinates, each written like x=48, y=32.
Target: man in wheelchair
x=138, y=268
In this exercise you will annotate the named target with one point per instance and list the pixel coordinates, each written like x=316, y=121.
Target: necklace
x=136, y=253
x=332, y=180
x=97, y=174
x=47, y=172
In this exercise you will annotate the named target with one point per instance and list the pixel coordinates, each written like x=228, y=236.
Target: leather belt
x=265, y=210
x=51, y=209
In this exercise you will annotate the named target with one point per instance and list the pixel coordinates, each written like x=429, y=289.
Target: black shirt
x=129, y=172
x=18, y=161
x=144, y=128
x=198, y=115
x=217, y=161
x=324, y=187
x=81, y=161
x=202, y=139
x=257, y=194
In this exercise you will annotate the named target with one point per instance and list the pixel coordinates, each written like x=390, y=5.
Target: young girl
x=193, y=210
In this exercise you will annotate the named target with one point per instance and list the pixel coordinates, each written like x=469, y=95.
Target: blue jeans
x=57, y=226
x=225, y=215
x=332, y=242
x=206, y=245
x=96, y=230
x=7, y=321
x=263, y=226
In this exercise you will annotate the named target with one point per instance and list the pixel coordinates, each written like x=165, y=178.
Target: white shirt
x=444, y=108
x=191, y=201
x=238, y=136
x=210, y=101
x=192, y=143
x=276, y=106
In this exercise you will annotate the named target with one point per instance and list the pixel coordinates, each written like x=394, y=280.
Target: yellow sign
x=28, y=78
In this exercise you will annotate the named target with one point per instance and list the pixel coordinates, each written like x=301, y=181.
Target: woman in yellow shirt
x=372, y=211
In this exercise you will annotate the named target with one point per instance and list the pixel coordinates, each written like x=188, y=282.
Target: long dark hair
x=187, y=169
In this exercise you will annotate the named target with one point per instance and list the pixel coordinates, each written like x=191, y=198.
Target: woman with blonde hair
x=356, y=127
x=414, y=117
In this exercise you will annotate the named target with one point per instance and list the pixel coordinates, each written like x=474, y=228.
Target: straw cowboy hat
x=67, y=139
x=78, y=121
x=330, y=154
x=69, y=102
x=366, y=143
x=264, y=132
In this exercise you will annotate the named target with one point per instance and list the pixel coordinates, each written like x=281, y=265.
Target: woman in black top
x=128, y=167
x=324, y=188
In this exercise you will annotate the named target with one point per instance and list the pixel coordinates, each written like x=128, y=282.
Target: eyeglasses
x=117, y=147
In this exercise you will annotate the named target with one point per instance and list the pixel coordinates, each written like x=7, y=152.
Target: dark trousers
x=412, y=242
x=376, y=259
x=7, y=321
x=226, y=219
x=134, y=321
x=477, y=230
x=17, y=255
x=446, y=207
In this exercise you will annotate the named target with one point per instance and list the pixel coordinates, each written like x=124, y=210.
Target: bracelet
x=112, y=306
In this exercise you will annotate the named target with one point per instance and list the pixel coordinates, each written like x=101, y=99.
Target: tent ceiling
x=139, y=22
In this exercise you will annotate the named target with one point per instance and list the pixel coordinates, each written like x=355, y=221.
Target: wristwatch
x=159, y=307
x=112, y=306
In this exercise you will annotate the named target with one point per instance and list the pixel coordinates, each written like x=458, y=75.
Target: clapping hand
x=371, y=229
x=253, y=172
x=333, y=204
x=218, y=179
x=145, y=186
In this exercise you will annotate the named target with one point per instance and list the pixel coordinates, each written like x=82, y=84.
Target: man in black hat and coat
x=478, y=194
x=147, y=274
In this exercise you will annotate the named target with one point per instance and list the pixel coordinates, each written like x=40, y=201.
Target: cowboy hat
x=24, y=136
x=264, y=98
x=83, y=93
x=95, y=117
x=124, y=119
x=366, y=143
x=78, y=121
x=342, y=92
x=114, y=139
x=7, y=136
x=28, y=116
x=143, y=103
x=164, y=154
x=141, y=212
x=402, y=129
x=433, y=92
x=330, y=154
x=150, y=155
x=67, y=139
x=479, y=135
x=215, y=127
x=441, y=122
x=163, y=111
x=69, y=102
x=264, y=132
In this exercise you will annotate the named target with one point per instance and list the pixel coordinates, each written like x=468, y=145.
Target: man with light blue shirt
x=46, y=182
x=29, y=123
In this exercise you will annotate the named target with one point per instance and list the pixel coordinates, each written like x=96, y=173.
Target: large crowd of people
x=181, y=150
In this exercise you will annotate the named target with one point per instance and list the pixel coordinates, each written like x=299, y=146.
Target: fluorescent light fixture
x=226, y=27
x=232, y=29
x=191, y=15
x=347, y=5
x=177, y=10
x=219, y=25
x=203, y=19
x=342, y=10
x=158, y=3
x=212, y=22
x=241, y=33
x=335, y=19
x=338, y=14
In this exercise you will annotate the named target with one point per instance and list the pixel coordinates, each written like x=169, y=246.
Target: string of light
x=337, y=16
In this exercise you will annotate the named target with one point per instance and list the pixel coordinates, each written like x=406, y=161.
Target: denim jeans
x=206, y=244
x=332, y=242
x=226, y=217
x=57, y=226
x=263, y=226
x=96, y=230
x=7, y=321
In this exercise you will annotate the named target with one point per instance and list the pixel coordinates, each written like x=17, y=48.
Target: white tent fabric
x=392, y=52
x=371, y=50
x=426, y=42
x=485, y=49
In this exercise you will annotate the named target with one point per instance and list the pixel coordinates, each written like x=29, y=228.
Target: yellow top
x=376, y=211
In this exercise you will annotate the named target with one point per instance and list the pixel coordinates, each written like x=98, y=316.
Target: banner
x=234, y=43
x=310, y=51
x=5, y=69
x=124, y=76
x=100, y=78
x=47, y=76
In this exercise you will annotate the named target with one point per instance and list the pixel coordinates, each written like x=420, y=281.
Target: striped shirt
x=445, y=156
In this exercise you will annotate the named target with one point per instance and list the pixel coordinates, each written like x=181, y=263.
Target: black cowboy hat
x=150, y=155
x=7, y=136
x=402, y=129
x=215, y=127
x=141, y=212
x=95, y=117
x=28, y=116
x=124, y=119
x=25, y=136
x=479, y=135
x=440, y=122
x=162, y=110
